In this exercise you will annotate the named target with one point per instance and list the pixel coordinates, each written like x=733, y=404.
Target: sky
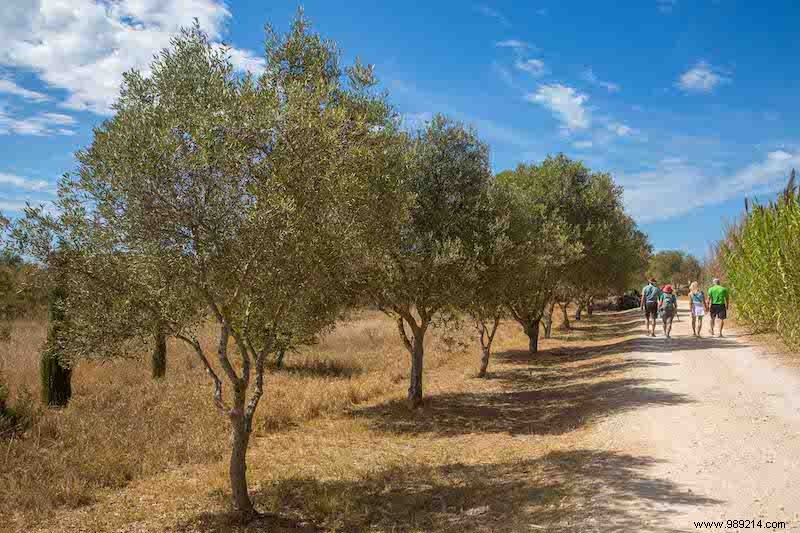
x=690, y=104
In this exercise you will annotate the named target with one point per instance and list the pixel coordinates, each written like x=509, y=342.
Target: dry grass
x=334, y=448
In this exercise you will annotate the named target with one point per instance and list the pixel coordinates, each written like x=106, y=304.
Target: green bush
x=761, y=257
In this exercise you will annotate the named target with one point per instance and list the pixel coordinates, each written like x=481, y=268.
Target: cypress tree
x=56, y=374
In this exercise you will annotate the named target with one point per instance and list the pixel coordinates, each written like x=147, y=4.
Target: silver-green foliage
x=425, y=261
x=243, y=200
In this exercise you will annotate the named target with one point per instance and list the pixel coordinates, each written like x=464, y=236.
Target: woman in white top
x=697, y=301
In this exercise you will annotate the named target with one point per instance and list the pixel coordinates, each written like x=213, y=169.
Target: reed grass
x=761, y=257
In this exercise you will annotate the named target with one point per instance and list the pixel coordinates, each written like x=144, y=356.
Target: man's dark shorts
x=650, y=309
x=719, y=311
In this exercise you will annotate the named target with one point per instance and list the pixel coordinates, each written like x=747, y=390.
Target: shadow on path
x=580, y=490
x=538, y=411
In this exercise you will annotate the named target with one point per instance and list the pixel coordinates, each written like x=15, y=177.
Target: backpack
x=669, y=305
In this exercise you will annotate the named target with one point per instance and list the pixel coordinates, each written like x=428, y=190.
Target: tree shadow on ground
x=580, y=490
x=600, y=328
x=566, y=354
x=552, y=375
x=542, y=410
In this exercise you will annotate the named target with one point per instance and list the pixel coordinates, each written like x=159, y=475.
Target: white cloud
x=592, y=78
x=703, y=77
x=779, y=155
x=57, y=118
x=39, y=125
x=675, y=187
x=9, y=87
x=22, y=183
x=620, y=129
x=535, y=67
x=565, y=103
x=84, y=46
x=666, y=6
x=489, y=12
x=514, y=43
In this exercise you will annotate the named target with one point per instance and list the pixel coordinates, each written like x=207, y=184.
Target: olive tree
x=238, y=200
x=544, y=203
x=612, y=244
x=426, y=261
x=493, y=273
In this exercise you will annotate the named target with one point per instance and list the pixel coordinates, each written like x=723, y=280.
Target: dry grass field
x=335, y=447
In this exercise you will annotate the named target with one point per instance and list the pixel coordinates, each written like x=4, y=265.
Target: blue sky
x=691, y=105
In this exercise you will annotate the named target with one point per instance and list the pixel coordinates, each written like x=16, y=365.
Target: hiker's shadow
x=577, y=490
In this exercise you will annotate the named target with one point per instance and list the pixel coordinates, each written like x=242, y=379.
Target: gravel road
x=723, y=435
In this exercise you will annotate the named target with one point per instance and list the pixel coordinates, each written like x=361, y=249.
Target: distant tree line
x=272, y=205
x=675, y=267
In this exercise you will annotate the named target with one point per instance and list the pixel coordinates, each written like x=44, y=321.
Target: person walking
x=697, y=300
x=668, y=308
x=649, y=304
x=718, y=300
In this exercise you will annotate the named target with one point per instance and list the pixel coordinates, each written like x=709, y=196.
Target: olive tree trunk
x=417, y=357
x=548, y=319
x=158, y=362
x=416, y=348
x=281, y=355
x=56, y=375
x=532, y=331
x=529, y=320
x=566, y=324
x=241, y=410
x=486, y=337
x=589, y=304
x=240, y=439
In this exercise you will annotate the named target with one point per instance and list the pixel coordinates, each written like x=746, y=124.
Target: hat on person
x=668, y=289
x=652, y=280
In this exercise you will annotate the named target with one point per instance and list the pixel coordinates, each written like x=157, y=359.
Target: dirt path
x=725, y=437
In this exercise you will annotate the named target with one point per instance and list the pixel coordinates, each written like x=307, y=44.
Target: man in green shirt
x=719, y=298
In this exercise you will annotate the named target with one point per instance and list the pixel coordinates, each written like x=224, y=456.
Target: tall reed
x=761, y=256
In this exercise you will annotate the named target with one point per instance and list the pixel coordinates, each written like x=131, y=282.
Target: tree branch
x=222, y=354
x=495, y=324
x=401, y=328
x=217, y=382
x=258, y=389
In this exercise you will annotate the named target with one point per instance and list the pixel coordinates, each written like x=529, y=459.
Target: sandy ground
x=721, y=431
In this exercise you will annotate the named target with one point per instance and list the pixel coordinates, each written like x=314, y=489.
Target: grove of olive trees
x=272, y=205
